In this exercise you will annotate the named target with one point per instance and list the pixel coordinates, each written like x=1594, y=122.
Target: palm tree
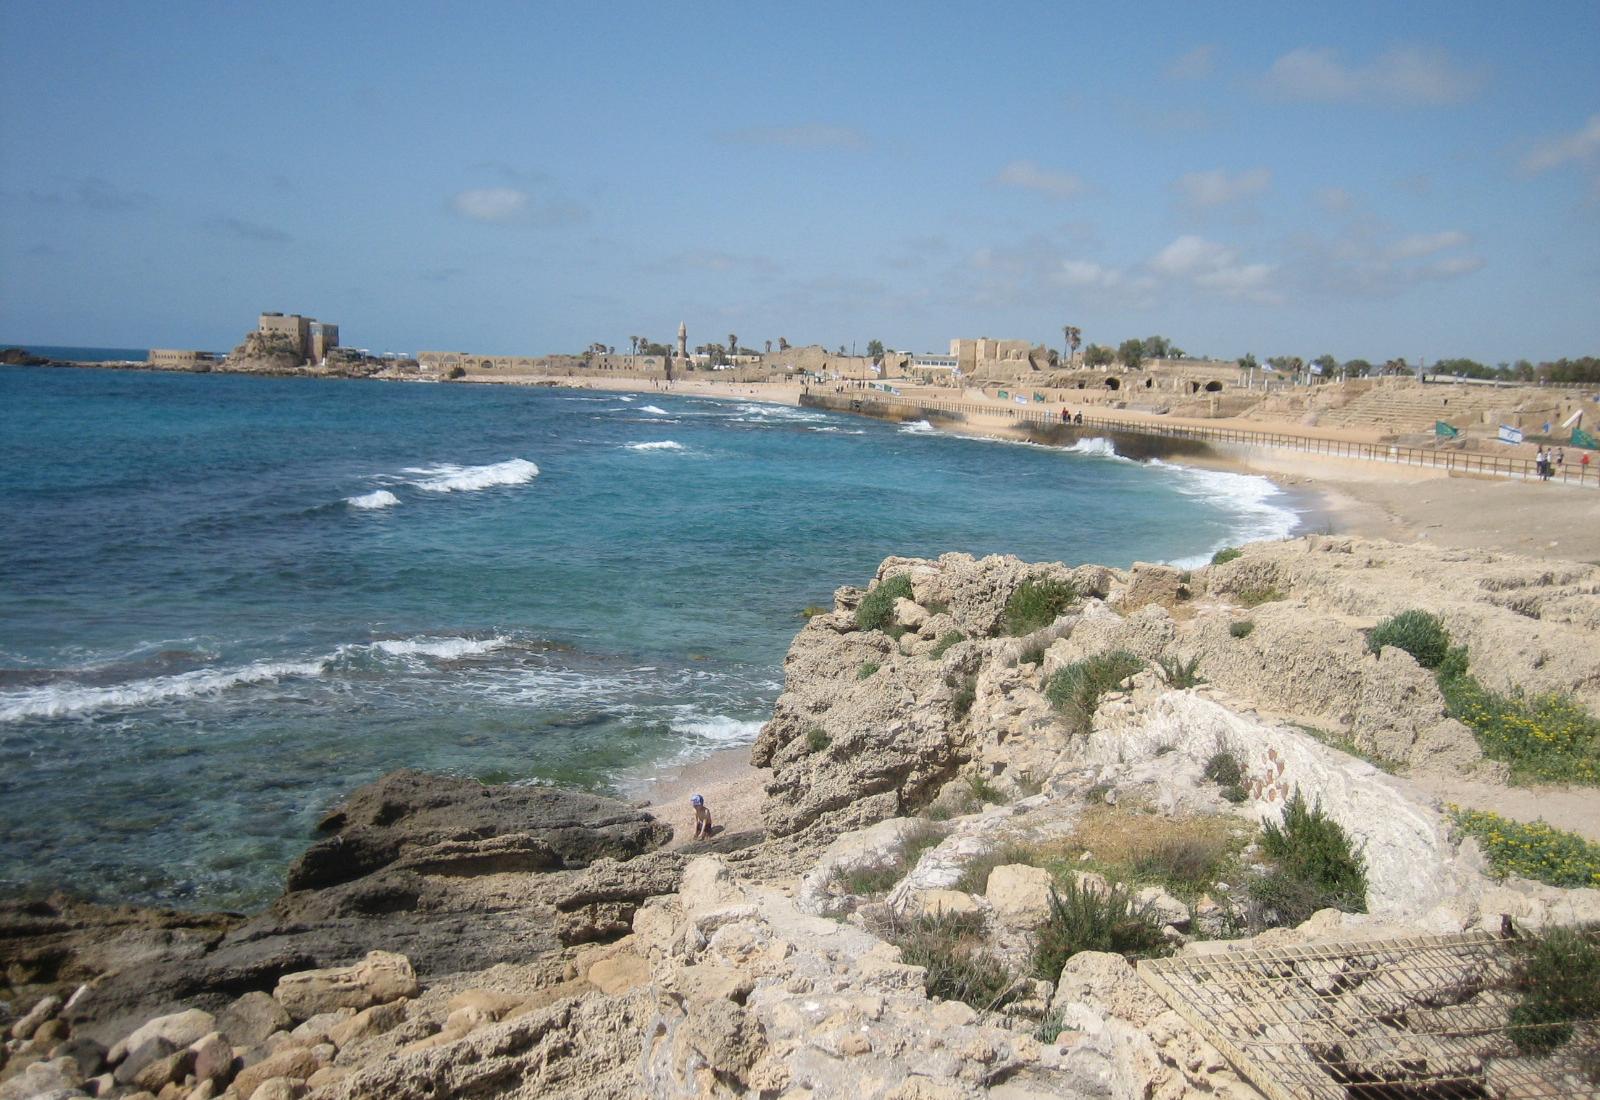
x=769, y=347
x=733, y=344
x=633, y=346
x=783, y=343
x=1073, y=336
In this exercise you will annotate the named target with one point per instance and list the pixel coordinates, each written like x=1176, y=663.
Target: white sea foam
x=382, y=498
x=658, y=445
x=917, y=427
x=66, y=699
x=625, y=397
x=718, y=728
x=450, y=478
x=653, y=409
x=1255, y=503
x=444, y=648
x=1100, y=448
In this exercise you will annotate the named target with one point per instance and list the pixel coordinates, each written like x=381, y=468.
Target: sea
x=226, y=601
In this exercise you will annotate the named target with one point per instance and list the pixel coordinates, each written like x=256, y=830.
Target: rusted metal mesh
x=1431, y=1018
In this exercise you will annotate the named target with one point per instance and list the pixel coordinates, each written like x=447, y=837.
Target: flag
x=1581, y=438
x=1444, y=431
x=1508, y=434
x=1021, y=400
x=1547, y=427
x=1004, y=395
x=1039, y=397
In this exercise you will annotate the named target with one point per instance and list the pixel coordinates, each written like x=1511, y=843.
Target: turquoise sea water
x=225, y=601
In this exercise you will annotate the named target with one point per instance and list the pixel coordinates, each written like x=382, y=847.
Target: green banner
x=1039, y=397
x=1445, y=431
x=1004, y=395
x=1581, y=438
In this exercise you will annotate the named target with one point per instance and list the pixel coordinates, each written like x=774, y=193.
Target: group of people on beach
x=1067, y=416
x=1546, y=461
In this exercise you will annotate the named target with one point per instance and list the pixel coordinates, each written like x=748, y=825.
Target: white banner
x=1508, y=434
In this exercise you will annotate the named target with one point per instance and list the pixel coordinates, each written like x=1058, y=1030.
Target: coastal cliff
x=958, y=745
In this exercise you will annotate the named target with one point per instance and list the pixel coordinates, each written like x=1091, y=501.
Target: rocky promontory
x=966, y=753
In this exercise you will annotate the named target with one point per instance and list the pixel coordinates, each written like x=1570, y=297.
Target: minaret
x=683, y=341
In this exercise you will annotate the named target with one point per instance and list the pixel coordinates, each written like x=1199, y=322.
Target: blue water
x=225, y=601
x=69, y=354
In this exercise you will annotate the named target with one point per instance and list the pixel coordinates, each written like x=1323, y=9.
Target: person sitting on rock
x=702, y=818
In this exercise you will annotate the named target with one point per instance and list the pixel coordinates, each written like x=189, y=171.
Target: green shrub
x=1226, y=554
x=950, y=947
x=1076, y=689
x=1187, y=863
x=1094, y=920
x=965, y=695
x=1315, y=864
x=942, y=646
x=1234, y=792
x=811, y=611
x=1534, y=851
x=1224, y=769
x=983, y=792
x=1241, y=629
x=1556, y=978
x=1036, y=604
x=1548, y=737
x=867, y=669
x=1254, y=597
x=817, y=739
x=1179, y=674
x=876, y=609
x=1033, y=655
x=1417, y=632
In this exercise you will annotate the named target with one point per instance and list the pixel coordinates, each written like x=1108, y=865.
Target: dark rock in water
x=435, y=868
x=409, y=820
x=16, y=357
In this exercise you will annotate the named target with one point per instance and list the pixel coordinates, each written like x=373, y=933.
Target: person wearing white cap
x=702, y=818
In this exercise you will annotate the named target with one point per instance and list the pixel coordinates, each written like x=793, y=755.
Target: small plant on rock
x=1315, y=865
x=950, y=947
x=966, y=694
x=1180, y=674
x=817, y=739
x=1090, y=919
x=811, y=611
x=1417, y=632
x=882, y=877
x=1225, y=555
x=876, y=610
x=1254, y=597
x=1076, y=689
x=1241, y=628
x=1036, y=604
x=942, y=646
x=1032, y=655
x=1225, y=771
x=867, y=669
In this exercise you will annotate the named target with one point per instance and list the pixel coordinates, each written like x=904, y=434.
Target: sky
x=1367, y=180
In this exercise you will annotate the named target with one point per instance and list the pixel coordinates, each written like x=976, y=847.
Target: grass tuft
x=1036, y=604
x=1241, y=628
x=1226, y=554
x=1315, y=865
x=965, y=695
x=817, y=739
x=867, y=669
x=876, y=609
x=1180, y=674
x=1076, y=689
x=942, y=646
x=1419, y=633
x=1255, y=597
x=950, y=948
x=870, y=881
x=1094, y=920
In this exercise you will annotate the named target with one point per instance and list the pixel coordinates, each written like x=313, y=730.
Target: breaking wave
x=382, y=498
x=1257, y=506
x=449, y=478
x=653, y=409
x=449, y=649
x=67, y=700
x=917, y=427
x=659, y=445
x=1100, y=448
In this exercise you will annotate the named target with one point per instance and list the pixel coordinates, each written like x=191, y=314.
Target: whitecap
x=653, y=409
x=659, y=445
x=719, y=728
x=443, y=648
x=66, y=699
x=1254, y=504
x=1098, y=447
x=625, y=397
x=382, y=498
x=917, y=427
x=449, y=478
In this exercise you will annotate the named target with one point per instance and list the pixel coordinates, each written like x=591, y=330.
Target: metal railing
x=1462, y=462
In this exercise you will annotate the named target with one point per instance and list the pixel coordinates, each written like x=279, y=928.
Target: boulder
x=296, y=1063
x=151, y=1050
x=382, y=976
x=280, y=1088
x=250, y=1019
x=1151, y=584
x=1019, y=894
x=44, y=1009
x=179, y=1028
x=213, y=1058
x=368, y=1022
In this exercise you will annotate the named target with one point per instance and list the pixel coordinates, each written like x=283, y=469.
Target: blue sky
x=1372, y=180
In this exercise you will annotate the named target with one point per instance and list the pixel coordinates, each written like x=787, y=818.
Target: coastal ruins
x=443, y=939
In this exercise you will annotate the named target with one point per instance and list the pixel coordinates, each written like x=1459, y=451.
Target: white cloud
x=1407, y=77
x=491, y=204
x=1215, y=267
x=1217, y=188
x=1030, y=177
x=1086, y=273
x=1418, y=245
x=1197, y=64
x=1335, y=200
x=1581, y=145
x=808, y=135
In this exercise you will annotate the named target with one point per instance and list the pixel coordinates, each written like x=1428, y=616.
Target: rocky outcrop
x=264, y=353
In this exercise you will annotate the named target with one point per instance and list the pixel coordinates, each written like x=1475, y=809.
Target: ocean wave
x=718, y=728
x=658, y=445
x=1098, y=447
x=449, y=649
x=653, y=409
x=67, y=700
x=1256, y=505
x=381, y=498
x=625, y=397
x=917, y=427
x=449, y=478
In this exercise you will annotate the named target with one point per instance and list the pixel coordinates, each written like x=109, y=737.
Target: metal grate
x=1426, y=1018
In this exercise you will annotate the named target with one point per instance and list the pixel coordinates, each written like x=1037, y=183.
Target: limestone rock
x=213, y=1058
x=943, y=903
x=250, y=1019
x=382, y=976
x=43, y=1010
x=179, y=1028
x=368, y=1022
x=296, y=1063
x=1020, y=894
x=1151, y=584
